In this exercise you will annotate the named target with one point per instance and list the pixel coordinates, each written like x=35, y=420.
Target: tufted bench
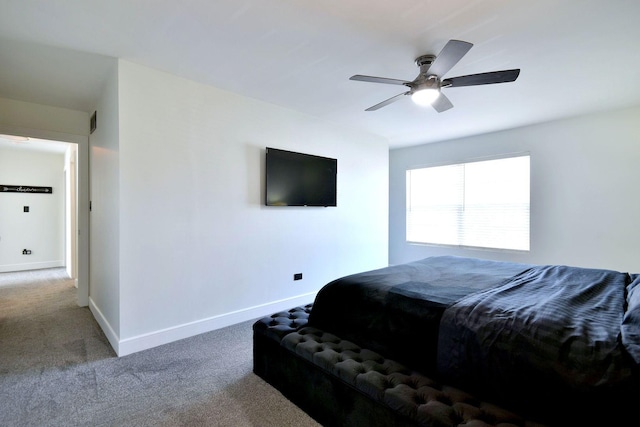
x=341, y=384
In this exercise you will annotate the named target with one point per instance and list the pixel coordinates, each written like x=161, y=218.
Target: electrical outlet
x=297, y=276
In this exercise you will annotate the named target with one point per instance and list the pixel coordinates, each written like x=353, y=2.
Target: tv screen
x=297, y=179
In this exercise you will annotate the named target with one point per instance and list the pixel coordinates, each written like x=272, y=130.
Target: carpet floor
x=58, y=369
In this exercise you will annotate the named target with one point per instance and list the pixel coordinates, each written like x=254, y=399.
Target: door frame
x=82, y=141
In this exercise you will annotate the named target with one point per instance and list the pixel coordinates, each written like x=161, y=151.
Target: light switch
x=26, y=209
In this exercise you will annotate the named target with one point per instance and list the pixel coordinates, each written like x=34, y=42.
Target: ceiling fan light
x=424, y=97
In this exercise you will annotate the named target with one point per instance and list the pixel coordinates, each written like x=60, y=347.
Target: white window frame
x=447, y=215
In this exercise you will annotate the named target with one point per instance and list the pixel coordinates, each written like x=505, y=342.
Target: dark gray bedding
x=396, y=310
x=550, y=329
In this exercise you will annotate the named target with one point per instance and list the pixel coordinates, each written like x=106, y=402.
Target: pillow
x=630, y=328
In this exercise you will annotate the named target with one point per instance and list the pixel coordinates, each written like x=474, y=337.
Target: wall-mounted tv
x=298, y=179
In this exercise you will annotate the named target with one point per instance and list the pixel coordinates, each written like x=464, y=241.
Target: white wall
x=198, y=249
x=104, y=292
x=54, y=121
x=584, y=190
x=40, y=230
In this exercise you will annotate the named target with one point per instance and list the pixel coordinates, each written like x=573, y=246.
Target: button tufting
x=382, y=379
x=411, y=382
x=446, y=400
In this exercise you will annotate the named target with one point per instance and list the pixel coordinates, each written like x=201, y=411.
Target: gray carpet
x=57, y=369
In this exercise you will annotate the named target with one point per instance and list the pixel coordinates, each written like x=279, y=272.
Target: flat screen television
x=298, y=179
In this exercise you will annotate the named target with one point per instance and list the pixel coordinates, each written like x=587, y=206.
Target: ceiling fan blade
x=372, y=79
x=441, y=103
x=503, y=76
x=449, y=56
x=388, y=101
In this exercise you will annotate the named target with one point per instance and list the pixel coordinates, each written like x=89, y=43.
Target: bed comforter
x=514, y=332
x=397, y=310
x=550, y=333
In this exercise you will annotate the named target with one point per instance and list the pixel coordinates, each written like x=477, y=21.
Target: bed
x=448, y=341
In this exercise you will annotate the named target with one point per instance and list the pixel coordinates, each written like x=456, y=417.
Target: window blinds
x=477, y=204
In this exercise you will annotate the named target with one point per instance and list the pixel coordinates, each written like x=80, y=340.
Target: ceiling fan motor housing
x=426, y=82
x=424, y=79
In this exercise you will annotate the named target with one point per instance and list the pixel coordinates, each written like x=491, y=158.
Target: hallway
x=41, y=325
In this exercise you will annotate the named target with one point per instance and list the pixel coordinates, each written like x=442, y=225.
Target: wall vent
x=93, y=122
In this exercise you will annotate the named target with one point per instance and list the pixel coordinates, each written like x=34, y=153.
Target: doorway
x=76, y=200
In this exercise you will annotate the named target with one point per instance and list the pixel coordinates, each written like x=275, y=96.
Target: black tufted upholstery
x=282, y=323
x=388, y=387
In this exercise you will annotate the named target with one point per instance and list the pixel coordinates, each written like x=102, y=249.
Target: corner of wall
x=111, y=335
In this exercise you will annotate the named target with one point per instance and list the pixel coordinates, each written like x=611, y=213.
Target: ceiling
x=575, y=56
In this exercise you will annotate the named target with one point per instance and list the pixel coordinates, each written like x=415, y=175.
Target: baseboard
x=7, y=268
x=165, y=336
x=105, y=325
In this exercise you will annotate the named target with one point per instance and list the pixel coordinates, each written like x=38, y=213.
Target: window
x=480, y=204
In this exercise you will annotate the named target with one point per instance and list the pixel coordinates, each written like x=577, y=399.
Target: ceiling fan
x=426, y=88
